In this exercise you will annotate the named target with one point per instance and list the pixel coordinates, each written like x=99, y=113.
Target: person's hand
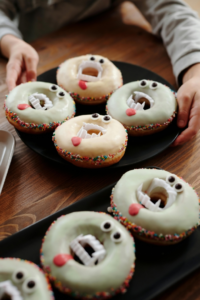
x=22, y=61
x=188, y=98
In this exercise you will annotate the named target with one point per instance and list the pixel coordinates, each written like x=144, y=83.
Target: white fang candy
x=89, y=126
x=77, y=245
x=35, y=98
x=6, y=287
x=132, y=101
x=89, y=64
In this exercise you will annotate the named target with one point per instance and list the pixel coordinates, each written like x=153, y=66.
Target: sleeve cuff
x=185, y=62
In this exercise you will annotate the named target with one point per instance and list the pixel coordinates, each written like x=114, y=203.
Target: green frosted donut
x=23, y=280
x=156, y=205
x=143, y=106
x=90, y=275
x=35, y=107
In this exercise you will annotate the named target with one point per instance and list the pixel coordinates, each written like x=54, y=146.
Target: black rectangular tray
x=157, y=267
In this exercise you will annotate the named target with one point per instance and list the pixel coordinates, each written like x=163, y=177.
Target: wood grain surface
x=34, y=187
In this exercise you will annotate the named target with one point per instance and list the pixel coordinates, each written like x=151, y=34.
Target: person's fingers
x=31, y=63
x=13, y=71
x=193, y=126
x=22, y=77
x=184, y=97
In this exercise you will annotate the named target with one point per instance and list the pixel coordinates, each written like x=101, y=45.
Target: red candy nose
x=134, y=209
x=61, y=259
x=76, y=140
x=23, y=106
x=130, y=112
x=82, y=84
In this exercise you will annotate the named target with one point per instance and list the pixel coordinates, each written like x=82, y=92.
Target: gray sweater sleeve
x=179, y=27
x=8, y=19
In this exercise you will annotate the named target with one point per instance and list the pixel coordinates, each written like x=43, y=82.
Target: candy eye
x=19, y=276
x=153, y=85
x=95, y=116
x=53, y=88
x=143, y=83
x=178, y=187
x=29, y=286
x=116, y=237
x=92, y=58
x=171, y=179
x=101, y=61
x=107, y=226
x=106, y=119
x=60, y=95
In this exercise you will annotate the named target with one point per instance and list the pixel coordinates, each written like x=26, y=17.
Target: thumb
x=184, y=98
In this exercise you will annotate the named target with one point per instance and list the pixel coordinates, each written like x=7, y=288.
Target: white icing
x=6, y=287
x=89, y=126
x=89, y=64
x=164, y=104
x=111, y=77
x=35, y=98
x=62, y=108
x=179, y=217
x=109, y=143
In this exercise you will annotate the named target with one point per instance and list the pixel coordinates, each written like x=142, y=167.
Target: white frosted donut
x=83, y=252
x=143, y=107
x=37, y=107
x=90, y=79
x=157, y=206
x=91, y=141
x=23, y=280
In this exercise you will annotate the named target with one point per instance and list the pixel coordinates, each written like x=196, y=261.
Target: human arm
x=179, y=27
x=22, y=58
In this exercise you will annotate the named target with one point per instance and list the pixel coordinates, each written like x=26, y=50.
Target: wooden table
x=35, y=188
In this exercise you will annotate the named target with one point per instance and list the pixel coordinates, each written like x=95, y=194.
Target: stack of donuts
x=91, y=141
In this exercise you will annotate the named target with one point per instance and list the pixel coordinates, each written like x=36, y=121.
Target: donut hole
x=147, y=103
x=90, y=71
x=156, y=195
x=42, y=103
x=88, y=249
x=6, y=296
x=91, y=131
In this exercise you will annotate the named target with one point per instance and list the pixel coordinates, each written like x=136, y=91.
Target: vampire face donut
x=143, y=107
x=91, y=141
x=81, y=249
x=158, y=207
x=23, y=280
x=90, y=79
x=38, y=107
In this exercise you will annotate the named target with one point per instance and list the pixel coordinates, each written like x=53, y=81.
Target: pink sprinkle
x=76, y=140
x=134, y=209
x=82, y=84
x=130, y=112
x=61, y=259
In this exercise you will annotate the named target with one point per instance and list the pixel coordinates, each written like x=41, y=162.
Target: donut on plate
x=88, y=255
x=23, y=280
x=157, y=206
x=91, y=141
x=143, y=107
x=90, y=79
x=38, y=107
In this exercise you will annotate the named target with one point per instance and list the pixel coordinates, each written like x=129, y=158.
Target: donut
x=83, y=252
x=90, y=79
x=91, y=141
x=157, y=206
x=23, y=280
x=38, y=107
x=143, y=107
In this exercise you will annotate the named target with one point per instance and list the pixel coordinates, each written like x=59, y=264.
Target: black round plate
x=138, y=149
